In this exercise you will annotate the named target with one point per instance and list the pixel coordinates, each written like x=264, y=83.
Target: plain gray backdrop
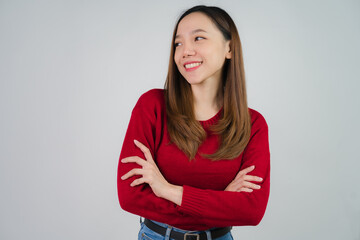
x=71, y=72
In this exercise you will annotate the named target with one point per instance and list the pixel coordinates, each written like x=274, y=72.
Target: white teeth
x=192, y=65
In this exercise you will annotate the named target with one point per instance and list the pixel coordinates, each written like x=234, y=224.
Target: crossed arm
x=150, y=174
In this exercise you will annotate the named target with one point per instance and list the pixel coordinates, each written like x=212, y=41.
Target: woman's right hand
x=243, y=182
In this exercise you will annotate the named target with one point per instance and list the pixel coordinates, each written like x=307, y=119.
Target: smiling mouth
x=192, y=65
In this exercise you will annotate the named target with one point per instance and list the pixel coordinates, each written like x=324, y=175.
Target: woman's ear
x=228, y=50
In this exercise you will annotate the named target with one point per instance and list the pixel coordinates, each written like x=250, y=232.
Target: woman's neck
x=207, y=101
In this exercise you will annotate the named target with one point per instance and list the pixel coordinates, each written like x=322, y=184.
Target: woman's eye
x=196, y=38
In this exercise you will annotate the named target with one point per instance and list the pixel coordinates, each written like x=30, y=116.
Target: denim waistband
x=178, y=229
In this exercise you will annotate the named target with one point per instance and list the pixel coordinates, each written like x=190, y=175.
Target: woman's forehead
x=194, y=23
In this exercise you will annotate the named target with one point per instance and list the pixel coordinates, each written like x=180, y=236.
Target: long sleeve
x=141, y=200
x=223, y=208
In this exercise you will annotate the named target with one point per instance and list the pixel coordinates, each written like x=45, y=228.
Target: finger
x=245, y=171
x=137, y=182
x=251, y=185
x=248, y=169
x=132, y=172
x=246, y=190
x=252, y=178
x=145, y=150
x=134, y=159
x=243, y=183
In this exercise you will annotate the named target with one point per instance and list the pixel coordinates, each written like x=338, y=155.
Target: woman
x=189, y=148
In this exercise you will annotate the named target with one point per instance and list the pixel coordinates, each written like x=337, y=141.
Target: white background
x=71, y=72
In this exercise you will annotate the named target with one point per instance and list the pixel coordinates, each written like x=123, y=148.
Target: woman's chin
x=194, y=81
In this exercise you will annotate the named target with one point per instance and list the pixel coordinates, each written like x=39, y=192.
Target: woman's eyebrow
x=192, y=32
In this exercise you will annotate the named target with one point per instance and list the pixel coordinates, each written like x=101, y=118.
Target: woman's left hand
x=149, y=171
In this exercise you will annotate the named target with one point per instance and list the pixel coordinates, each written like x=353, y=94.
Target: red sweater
x=205, y=204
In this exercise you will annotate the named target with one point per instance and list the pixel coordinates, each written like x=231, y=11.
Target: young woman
x=189, y=148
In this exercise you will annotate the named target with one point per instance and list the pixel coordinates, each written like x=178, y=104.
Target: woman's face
x=200, y=49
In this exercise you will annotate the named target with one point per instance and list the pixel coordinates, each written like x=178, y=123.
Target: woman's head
x=184, y=46
x=218, y=51
x=200, y=50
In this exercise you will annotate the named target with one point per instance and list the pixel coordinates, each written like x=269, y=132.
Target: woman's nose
x=188, y=50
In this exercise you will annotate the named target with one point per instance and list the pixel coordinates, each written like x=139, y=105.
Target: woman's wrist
x=173, y=193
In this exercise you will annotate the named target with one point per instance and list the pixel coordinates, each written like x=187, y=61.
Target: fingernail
x=135, y=141
x=260, y=179
x=122, y=177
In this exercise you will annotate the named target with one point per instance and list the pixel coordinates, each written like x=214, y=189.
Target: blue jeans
x=147, y=234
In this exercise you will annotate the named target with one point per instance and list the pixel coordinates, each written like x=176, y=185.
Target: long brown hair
x=234, y=126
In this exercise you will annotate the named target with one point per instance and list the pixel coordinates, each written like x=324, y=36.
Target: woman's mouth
x=192, y=66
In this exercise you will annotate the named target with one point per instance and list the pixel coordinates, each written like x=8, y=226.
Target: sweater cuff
x=193, y=200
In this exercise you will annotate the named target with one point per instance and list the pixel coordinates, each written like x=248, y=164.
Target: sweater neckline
x=211, y=120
